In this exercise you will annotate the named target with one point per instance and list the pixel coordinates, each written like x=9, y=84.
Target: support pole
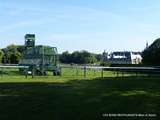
x=94, y=70
x=33, y=72
x=26, y=74
x=60, y=71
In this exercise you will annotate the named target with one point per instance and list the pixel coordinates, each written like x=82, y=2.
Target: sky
x=93, y=25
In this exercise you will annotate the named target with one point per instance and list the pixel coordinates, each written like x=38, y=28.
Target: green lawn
x=77, y=98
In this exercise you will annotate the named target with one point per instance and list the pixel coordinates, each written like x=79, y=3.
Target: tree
x=99, y=57
x=76, y=57
x=1, y=55
x=65, y=57
x=151, y=55
x=15, y=57
x=12, y=54
x=87, y=58
x=5, y=58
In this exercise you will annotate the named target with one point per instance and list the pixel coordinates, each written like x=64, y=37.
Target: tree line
x=12, y=54
x=79, y=57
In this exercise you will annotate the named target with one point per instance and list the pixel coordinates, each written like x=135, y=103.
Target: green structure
x=40, y=58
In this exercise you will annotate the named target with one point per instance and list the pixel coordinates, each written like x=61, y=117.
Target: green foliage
x=12, y=54
x=15, y=57
x=151, y=55
x=78, y=57
x=65, y=57
x=99, y=57
x=105, y=64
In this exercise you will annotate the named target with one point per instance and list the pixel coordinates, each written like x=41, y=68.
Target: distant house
x=136, y=57
x=123, y=57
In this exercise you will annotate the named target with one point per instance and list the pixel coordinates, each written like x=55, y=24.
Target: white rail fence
x=85, y=69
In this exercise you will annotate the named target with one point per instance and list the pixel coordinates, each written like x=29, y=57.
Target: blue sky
x=93, y=25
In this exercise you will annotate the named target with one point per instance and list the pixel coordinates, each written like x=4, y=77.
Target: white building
x=124, y=57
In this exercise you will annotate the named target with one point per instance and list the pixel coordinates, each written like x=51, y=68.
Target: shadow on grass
x=80, y=99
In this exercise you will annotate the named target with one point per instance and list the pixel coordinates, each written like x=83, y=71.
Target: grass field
x=72, y=97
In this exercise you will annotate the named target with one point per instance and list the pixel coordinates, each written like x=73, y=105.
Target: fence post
x=136, y=74
x=1, y=72
x=76, y=71
x=102, y=73
x=84, y=71
x=122, y=74
x=117, y=74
